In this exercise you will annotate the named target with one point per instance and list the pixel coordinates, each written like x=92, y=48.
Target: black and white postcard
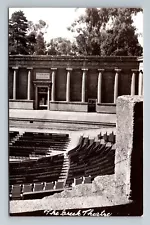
x=75, y=87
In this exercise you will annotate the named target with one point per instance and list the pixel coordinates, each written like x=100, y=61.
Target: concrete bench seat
x=38, y=187
x=16, y=192
x=49, y=186
x=27, y=188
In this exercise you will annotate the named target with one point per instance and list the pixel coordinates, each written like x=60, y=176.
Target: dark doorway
x=91, y=105
x=42, y=98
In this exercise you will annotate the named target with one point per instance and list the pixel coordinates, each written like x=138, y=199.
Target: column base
x=69, y=106
x=106, y=108
x=20, y=104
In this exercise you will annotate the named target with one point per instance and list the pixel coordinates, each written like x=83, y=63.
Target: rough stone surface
x=129, y=147
x=81, y=196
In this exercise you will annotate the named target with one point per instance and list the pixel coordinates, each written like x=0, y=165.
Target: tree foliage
x=60, y=46
x=25, y=37
x=38, y=30
x=100, y=31
x=18, y=26
x=107, y=31
x=40, y=46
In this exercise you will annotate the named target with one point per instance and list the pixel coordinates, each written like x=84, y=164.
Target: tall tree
x=121, y=37
x=25, y=37
x=107, y=31
x=37, y=30
x=40, y=46
x=60, y=46
x=31, y=42
x=18, y=26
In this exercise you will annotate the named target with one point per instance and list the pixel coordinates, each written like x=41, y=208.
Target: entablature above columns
x=15, y=67
x=54, y=68
x=75, y=62
x=42, y=83
x=29, y=68
x=69, y=69
x=118, y=70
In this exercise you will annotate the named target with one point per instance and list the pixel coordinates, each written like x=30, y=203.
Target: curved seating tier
x=44, y=169
x=12, y=135
x=35, y=190
x=38, y=144
x=37, y=177
x=91, y=158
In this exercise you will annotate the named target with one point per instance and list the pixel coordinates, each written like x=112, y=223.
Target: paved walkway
x=57, y=115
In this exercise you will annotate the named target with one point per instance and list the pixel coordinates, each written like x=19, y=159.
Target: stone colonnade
x=84, y=72
x=28, y=86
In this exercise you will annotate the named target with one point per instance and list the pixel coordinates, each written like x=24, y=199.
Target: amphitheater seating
x=15, y=192
x=18, y=192
x=91, y=158
x=59, y=185
x=108, y=138
x=27, y=188
x=31, y=143
x=49, y=186
x=78, y=181
x=12, y=135
x=38, y=187
x=45, y=169
x=87, y=180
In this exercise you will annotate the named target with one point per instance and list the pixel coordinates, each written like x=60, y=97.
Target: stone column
x=14, y=82
x=83, y=84
x=133, y=82
x=140, y=88
x=48, y=92
x=99, y=86
x=129, y=149
x=36, y=96
x=29, y=84
x=68, y=84
x=53, y=84
x=116, y=84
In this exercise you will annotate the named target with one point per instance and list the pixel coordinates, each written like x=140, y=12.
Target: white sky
x=58, y=19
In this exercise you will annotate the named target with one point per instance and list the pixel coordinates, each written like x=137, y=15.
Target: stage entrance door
x=42, y=98
x=91, y=105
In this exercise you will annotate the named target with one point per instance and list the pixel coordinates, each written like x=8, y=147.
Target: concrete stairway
x=65, y=169
x=15, y=139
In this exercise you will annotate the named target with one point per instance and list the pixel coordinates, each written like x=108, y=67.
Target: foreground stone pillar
x=116, y=84
x=14, y=82
x=83, y=84
x=140, y=88
x=68, y=84
x=99, y=86
x=129, y=148
x=133, y=82
x=29, y=84
x=53, y=84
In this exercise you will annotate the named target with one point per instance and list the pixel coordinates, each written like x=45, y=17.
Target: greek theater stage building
x=68, y=83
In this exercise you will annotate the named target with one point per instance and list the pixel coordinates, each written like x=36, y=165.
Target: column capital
x=69, y=69
x=15, y=68
x=101, y=70
x=29, y=68
x=84, y=69
x=118, y=70
x=53, y=68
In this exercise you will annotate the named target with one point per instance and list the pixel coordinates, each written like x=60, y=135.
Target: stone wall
x=44, y=64
x=129, y=148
